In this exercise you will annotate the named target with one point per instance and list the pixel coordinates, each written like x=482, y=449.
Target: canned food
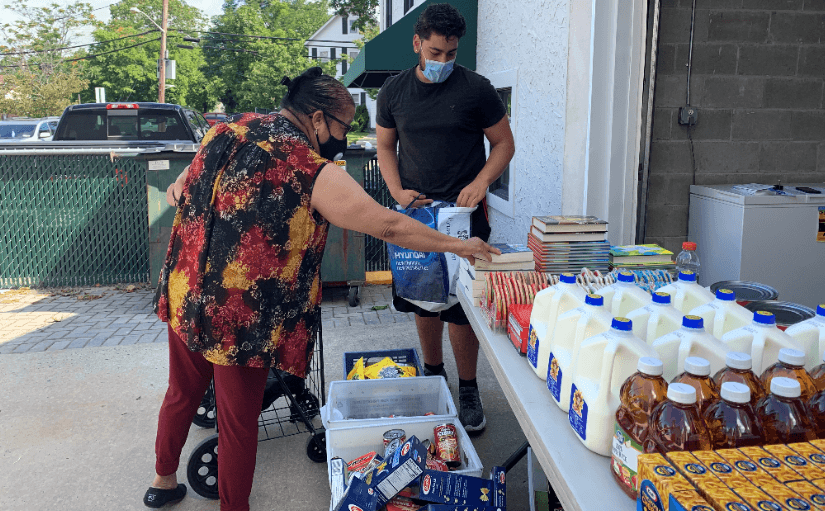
x=446, y=443
x=393, y=434
x=745, y=291
x=390, y=448
x=787, y=313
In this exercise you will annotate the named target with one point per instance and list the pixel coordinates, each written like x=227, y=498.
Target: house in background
x=336, y=39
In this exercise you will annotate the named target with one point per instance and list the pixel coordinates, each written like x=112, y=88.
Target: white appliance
x=756, y=233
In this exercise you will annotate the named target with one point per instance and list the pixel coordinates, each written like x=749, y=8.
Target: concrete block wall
x=757, y=80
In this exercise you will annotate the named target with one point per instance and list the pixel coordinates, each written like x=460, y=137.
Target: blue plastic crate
x=407, y=357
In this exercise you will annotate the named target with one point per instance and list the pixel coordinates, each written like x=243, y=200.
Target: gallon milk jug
x=655, y=319
x=602, y=365
x=676, y=425
x=624, y=295
x=686, y=293
x=732, y=421
x=783, y=415
x=689, y=341
x=810, y=335
x=549, y=304
x=738, y=370
x=818, y=375
x=762, y=340
x=573, y=327
x=697, y=375
x=639, y=396
x=790, y=365
x=723, y=314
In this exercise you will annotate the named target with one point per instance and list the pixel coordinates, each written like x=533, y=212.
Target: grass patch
x=353, y=136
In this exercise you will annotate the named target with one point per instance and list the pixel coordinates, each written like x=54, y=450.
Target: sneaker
x=470, y=412
x=443, y=373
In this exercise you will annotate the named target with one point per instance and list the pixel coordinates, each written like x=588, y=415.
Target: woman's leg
x=239, y=392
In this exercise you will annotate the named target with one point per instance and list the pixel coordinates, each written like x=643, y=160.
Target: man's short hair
x=443, y=19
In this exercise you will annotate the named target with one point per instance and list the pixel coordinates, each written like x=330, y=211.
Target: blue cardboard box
x=358, y=497
x=448, y=507
x=461, y=490
x=396, y=473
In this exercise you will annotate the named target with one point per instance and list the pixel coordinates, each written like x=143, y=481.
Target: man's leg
x=465, y=349
x=430, y=330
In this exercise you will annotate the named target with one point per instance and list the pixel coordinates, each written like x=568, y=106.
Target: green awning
x=391, y=51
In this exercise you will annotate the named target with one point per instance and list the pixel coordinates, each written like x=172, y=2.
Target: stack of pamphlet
x=641, y=257
x=568, y=243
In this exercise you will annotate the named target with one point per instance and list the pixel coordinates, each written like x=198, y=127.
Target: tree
x=365, y=10
x=41, y=70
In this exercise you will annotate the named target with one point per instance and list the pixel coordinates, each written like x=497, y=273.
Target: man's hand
x=404, y=197
x=471, y=195
x=474, y=248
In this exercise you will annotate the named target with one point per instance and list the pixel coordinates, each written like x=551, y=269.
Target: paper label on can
x=625, y=456
x=578, y=412
x=649, y=497
x=533, y=348
x=554, y=375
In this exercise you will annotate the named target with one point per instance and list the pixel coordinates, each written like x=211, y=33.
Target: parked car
x=26, y=129
x=123, y=122
x=213, y=117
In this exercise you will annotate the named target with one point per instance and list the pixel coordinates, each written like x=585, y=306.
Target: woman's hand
x=175, y=190
x=474, y=248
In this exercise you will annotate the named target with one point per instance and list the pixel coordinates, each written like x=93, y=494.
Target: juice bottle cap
x=681, y=393
x=738, y=360
x=693, y=322
x=623, y=324
x=568, y=278
x=697, y=366
x=626, y=276
x=820, y=309
x=688, y=245
x=725, y=294
x=792, y=357
x=687, y=276
x=659, y=297
x=785, y=387
x=764, y=317
x=651, y=366
x=735, y=392
x=593, y=299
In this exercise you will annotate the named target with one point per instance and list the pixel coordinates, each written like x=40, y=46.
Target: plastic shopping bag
x=429, y=279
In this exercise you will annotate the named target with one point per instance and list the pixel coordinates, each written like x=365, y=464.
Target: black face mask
x=333, y=148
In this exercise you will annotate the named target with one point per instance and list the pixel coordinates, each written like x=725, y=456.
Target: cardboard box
x=406, y=465
x=721, y=468
x=359, y=495
x=757, y=499
x=752, y=472
x=518, y=325
x=337, y=480
x=657, y=481
x=819, y=483
x=789, y=498
x=811, y=453
x=771, y=464
x=448, y=507
x=814, y=495
x=710, y=487
x=797, y=462
x=819, y=444
x=688, y=501
x=456, y=489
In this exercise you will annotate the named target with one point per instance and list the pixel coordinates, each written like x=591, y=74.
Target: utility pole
x=162, y=78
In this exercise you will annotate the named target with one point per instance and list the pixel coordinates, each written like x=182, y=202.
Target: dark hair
x=312, y=90
x=443, y=19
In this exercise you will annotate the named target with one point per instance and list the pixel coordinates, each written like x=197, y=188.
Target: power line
x=239, y=35
x=76, y=46
x=99, y=54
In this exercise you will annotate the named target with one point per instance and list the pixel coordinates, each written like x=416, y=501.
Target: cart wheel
x=202, y=469
x=308, y=402
x=352, y=297
x=205, y=416
x=317, y=448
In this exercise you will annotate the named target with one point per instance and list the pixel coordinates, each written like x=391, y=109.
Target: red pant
x=239, y=392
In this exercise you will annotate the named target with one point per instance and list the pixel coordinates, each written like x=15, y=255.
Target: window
x=355, y=99
x=363, y=98
x=388, y=14
x=332, y=53
x=343, y=67
x=315, y=53
x=501, y=186
x=352, y=28
x=353, y=55
x=324, y=56
x=408, y=4
x=344, y=25
x=501, y=194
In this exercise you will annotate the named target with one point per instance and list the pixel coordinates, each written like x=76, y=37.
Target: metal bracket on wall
x=688, y=115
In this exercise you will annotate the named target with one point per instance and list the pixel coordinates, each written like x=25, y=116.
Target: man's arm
x=388, y=165
x=502, y=148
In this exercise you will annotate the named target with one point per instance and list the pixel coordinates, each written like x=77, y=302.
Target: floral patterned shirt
x=241, y=282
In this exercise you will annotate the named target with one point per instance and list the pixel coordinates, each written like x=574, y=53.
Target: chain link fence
x=72, y=220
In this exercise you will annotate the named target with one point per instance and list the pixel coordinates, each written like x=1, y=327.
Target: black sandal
x=155, y=497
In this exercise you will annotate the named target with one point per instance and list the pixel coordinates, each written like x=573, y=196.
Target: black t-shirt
x=440, y=128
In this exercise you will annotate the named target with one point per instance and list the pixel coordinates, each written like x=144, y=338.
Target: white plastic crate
x=363, y=402
x=350, y=443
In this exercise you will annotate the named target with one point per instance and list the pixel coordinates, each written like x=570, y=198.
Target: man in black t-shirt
x=432, y=120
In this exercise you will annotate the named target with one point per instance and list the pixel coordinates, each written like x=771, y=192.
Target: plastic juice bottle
x=624, y=295
x=548, y=305
x=762, y=340
x=639, y=396
x=676, y=424
x=655, y=319
x=573, y=327
x=723, y=314
x=816, y=407
x=783, y=415
x=602, y=365
x=686, y=293
x=810, y=335
x=689, y=341
x=732, y=421
x=738, y=370
x=688, y=259
x=790, y=365
x=697, y=375
x=818, y=375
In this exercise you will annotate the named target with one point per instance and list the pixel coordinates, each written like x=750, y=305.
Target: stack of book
x=641, y=257
x=472, y=277
x=569, y=243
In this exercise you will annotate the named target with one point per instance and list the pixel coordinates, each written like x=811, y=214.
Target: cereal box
x=814, y=495
x=798, y=463
x=721, y=468
x=753, y=472
x=811, y=453
x=658, y=480
x=757, y=499
x=771, y=464
x=688, y=501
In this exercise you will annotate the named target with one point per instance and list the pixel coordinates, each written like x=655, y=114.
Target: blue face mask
x=436, y=71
